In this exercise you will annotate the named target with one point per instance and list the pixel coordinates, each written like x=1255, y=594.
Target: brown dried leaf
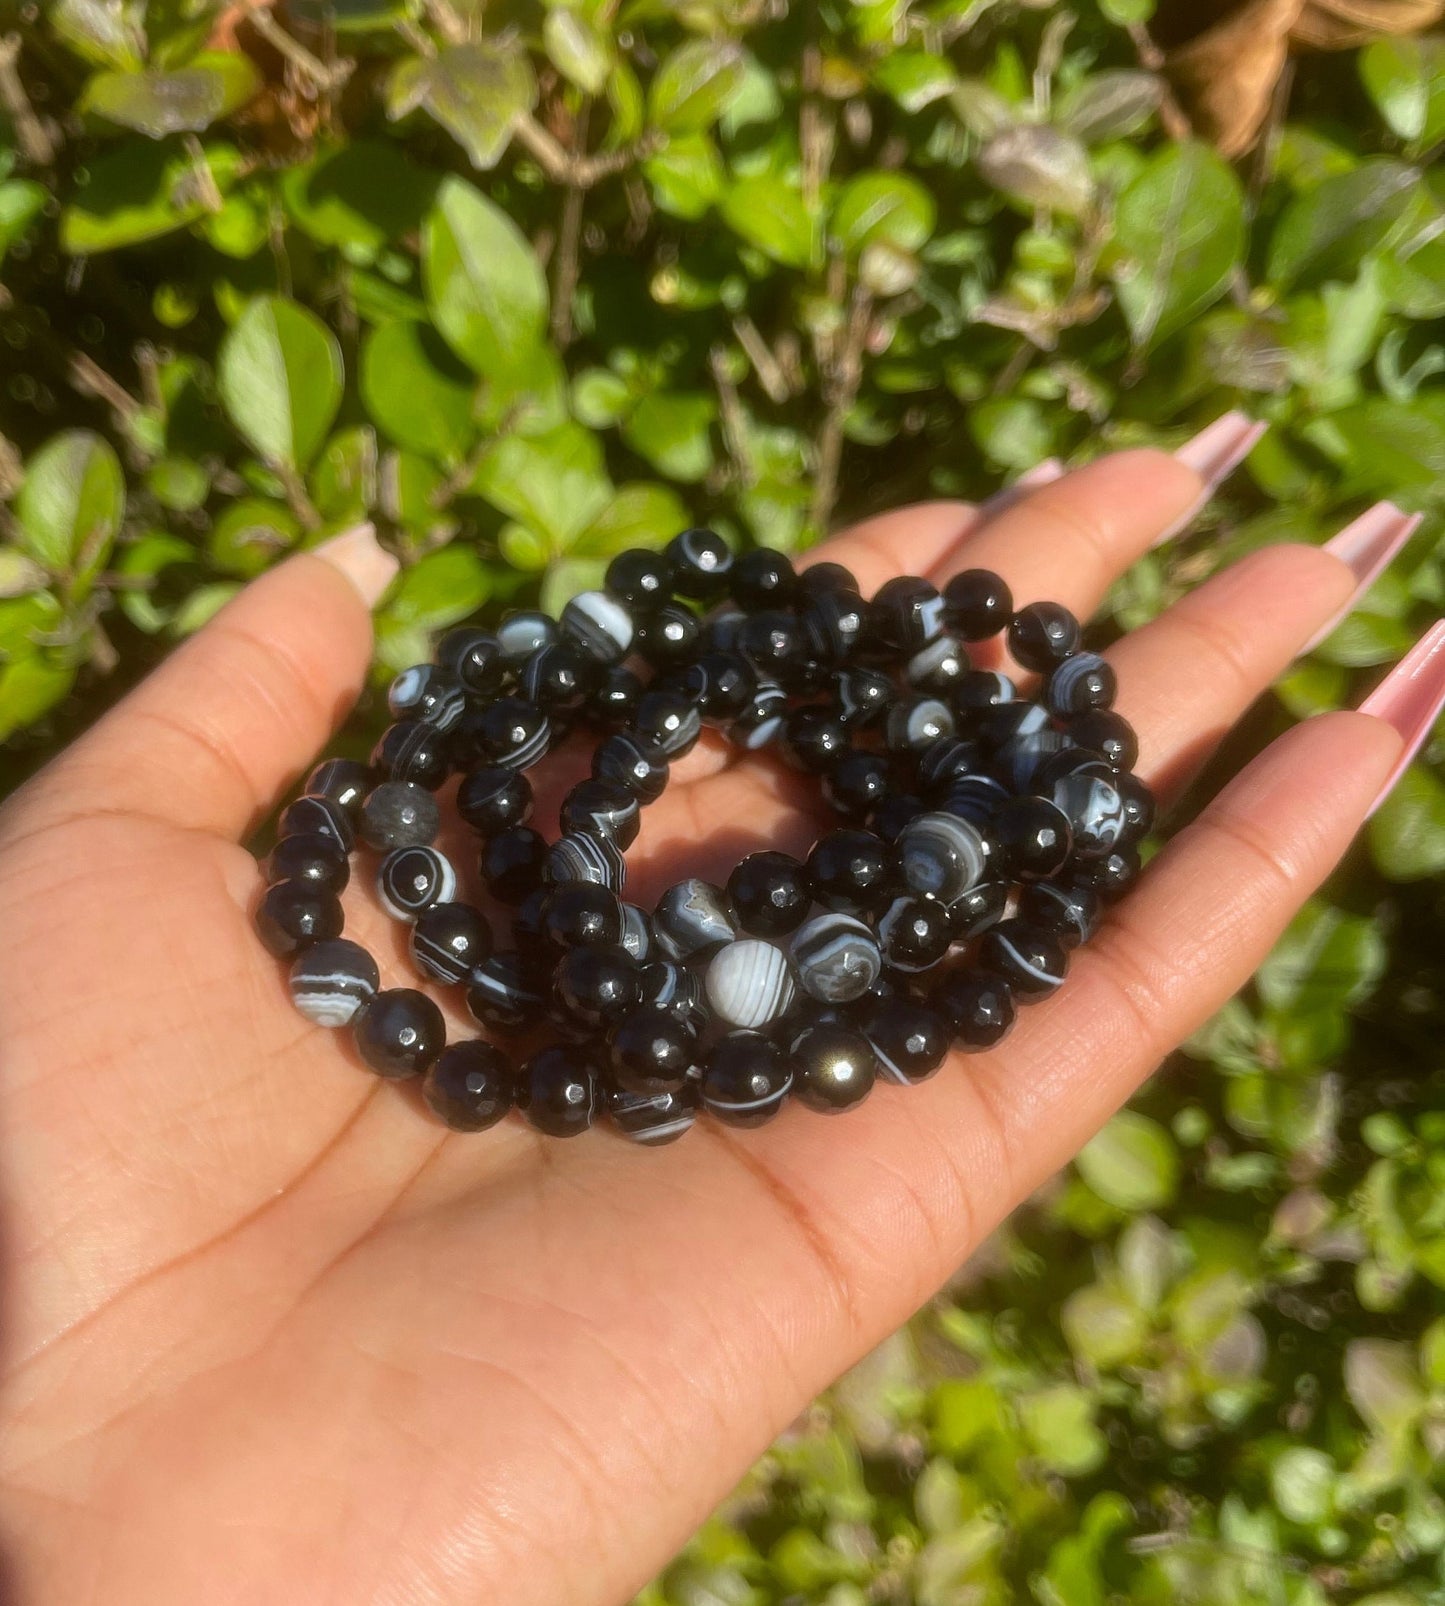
x=1344, y=24
x=1226, y=75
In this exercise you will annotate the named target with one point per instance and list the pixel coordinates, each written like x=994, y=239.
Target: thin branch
x=446, y=21
x=566, y=265
x=571, y=167
x=90, y=379
x=324, y=78
x=35, y=142
x=841, y=387
x=765, y=364
x=297, y=498
x=731, y=417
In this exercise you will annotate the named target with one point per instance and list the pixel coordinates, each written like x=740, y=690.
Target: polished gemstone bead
x=502, y=996
x=725, y=683
x=762, y=720
x=773, y=642
x=1020, y=758
x=818, y=579
x=915, y=933
x=599, y=624
x=580, y=912
x=907, y=613
x=975, y=798
x=1069, y=913
x=763, y=578
x=331, y=980
x=977, y=604
x=636, y=762
x=978, y=691
x=833, y=1068
x=833, y=624
x=670, y=635
x=521, y=633
x=292, y=914
x=1080, y=683
x=581, y=856
x=749, y=983
x=615, y=696
x=1070, y=759
x=399, y=814
x=597, y=984
x=813, y=740
x=653, y=1118
x=769, y=893
x=945, y=761
x=864, y=695
x=668, y=984
x=636, y=933
x=908, y=1036
x=413, y=751
x=557, y=677
x=429, y=694
x=914, y=724
x=1111, y=877
x=941, y=856
x=692, y=920
x=651, y=1050
x=319, y=816
x=409, y=880
x=836, y=958
x=669, y=720
x=893, y=813
x=745, y=1080
x=512, y=863
x=511, y=732
x=310, y=856
x=939, y=667
x=1107, y=732
x=529, y=936
x=345, y=781
x=1042, y=635
x=1031, y=960
x=1094, y=808
x=851, y=871
x=493, y=798
x=475, y=657
x=399, y=1032
x=978, y=1005
x=640, y=580
x=1032, y=836
x=470, y=1085
x=722, y=630
x=1139, y=808
x=701, y=562
x=858, y=783
x=996, y=727
x=449, y=940
x=978, y=909
x=603, y=808
x=557, y=1090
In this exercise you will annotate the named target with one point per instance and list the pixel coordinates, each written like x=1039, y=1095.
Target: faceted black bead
x=597, y=984
x=409, y=880
x=449, y=940
x=774, y=644
x=914, y=933
x=977, y=604
x=1111, y=877
x=292, y=914
x=746, y=1079
x=1042, y=635
x=320, y=816
x=864, y=695
x=975, y=798
x=701, y=562
x=818, y=579
x=413, y=751
x=502, y=996
x=939, y=667
x=914, y=724
x=511, y=732
x=979, y=908
x=669, y=720
x=399, y=1032
x=1069, y=760
x=470, y=1085
x=1104, y=731
x=763, y=578
x=996, y=727
x=893, y=813
x=641, y=579
x=907, y=613
x=770, y=893
x=654, y=1118
x=945, y=762
x=858, y=783
x=670, y=985
x=1032, y=836
x=834, y=1068
x=693, y=919
x=557, y=677
x=651, y=1050
x=909, y=1037
x=851, y=871
x=636, y=762
x=637, y=935
x=429, y=694
x=1069, y=913
x=399, y=814
x=1094, y=807
x=474, y=657
x=512, y=861
x=814, y=740
x=725, y=684
x=668, y=636
x=521, y=633
x=345, y=781
x=1018, y=761
x=978, y=1005
x=585, y=856
x=1031, y=960
x=1080, y=683
x=834, y=625
x=310, y=856
x=557, y=1090
x=538, y=952
x=580, y=912
x=1139, y=808
x=492, y=798
x=615, y=696
x=980, y=690
x=762, y=720
x=603, y=808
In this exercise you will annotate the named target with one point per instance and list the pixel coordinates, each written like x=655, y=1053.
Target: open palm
x=271, y=1334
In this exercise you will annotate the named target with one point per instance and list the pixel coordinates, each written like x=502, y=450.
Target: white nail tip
x=1367, y=548
x=1411, y=698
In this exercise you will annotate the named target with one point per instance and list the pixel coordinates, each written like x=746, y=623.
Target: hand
x=272, y=1335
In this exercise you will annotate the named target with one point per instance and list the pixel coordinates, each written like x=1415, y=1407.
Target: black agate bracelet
x=981, y=833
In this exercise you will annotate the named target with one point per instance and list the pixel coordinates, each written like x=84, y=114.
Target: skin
x=270, y=1333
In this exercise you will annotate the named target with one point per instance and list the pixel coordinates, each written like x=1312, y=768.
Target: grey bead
x=427, y=693
x=916, y=723
x=400, y=814
x=941, y=856
x=520, y=634
x=749, y=983
x=599, y=624
x=636, y=932
x=1095, y=810
x=409, y=880
x=331, y=980
x=578, y=856
x=837, y=958
x=653, y=1118
x=692, y=917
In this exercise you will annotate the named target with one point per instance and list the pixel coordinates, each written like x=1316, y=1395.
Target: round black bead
x=557, y=677
x=521, y=633
x=818, y=579
x=512, y=861
x=909, y=1037
x=979, y=908
x=858, y=783
x=319, y=815
x=655, y=1118
x=399, y=814
x=1094, y=808
x=557, y=1091
x=851, y=871
x=399, y=1032
x=651, y=1050
x=996, y=727
x=907, y=613
x=1042, y=635
x=1081, y=683
x=429, y=694
x=580, y=912
x=641, y=579
x=864, y=695
x=746, y=1079
x=345, y=781
x=668, y=984
x=774, y=644
x=762, y=720
x=475, y=657
x=511, y=732
x=470, y=1086
x=668, y=719
x=310, y=856
x=1104, y=731
x=636, y=762
x=502, y=996
x=834, y=1068
x=814, y=739
x=978, y=1005
x=1031, y=960
x=977, y=604
x=603, y=808
x=409, y=880
x=978, y=691
x=915, y=933
x=1139, y=808
x=597, y=984
x=1111, y=877
x=1069, y=913
x=492, y=798
x=1032, y=836
x=668, y=636
x=615, y=696
x=915, y=724
x=834, y=625
x=770, y=893
x=893, y=813
x=701, y=561
x=724, y=684
x=939, y=667
x=413, y=751
x=449, y=940
x=293, y=914
x=763, y=578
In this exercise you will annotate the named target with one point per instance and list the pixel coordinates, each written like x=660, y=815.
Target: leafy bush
x=531, y=287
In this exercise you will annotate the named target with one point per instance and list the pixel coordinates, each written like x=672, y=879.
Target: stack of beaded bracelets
x=984, y=833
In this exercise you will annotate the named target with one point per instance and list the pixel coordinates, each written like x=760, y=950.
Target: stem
x=297, y=499
x=324, y=78
x=90, y=379
x=841, y=388
x=765, y=364
x=446, y=21
x=208, y=192
x=731, y=416
x=35, y=143
x=571, y=167
x=569, y=238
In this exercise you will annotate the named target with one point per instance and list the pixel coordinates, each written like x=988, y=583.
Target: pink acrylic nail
x=1411, y=698
x=1214, y=454
x=1044, y=473
x=1367, y=548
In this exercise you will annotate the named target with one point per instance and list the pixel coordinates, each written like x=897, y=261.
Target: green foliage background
x=529, y=287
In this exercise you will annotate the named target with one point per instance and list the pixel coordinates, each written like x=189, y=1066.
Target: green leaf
x=1406, y=80
x=103, y=33
x=188, y=100
x=476, y=91
x=279, y=376
x=72, y=502
x=30, y=687
x=883, y=206
x=686, y=176
x=1181, y=224
x=1407, y=835
x=1325, y=232
x=770, y=213
x=140, y=191
x=1040, y=166
x=20, y=202
x=555, y=483
x=484, y=286
x=639, y=514
x=1326, y=960
x=1302, y=1481
x=250, y=534
x=343, y=478
x=1060, y=1427
x=1383, y=1384
x=576, y=49
x=600, y=398
x=417, y=391
x=440, y=589
x=359, y=196
x=672, y=430
x=915, y=78
x=1132, y=1164
x=692, y=87
x=1109, y=105
x=1388, y=446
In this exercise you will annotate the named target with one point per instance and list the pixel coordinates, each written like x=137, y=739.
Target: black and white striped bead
x=579, y=856
x=915, y=724
x=941, y=856
x=409, y=880
x=749, y=983
x=331, y=980
x=653, y=1118
x=1080, y=683
x=1094, y=809
x=692, y=918
x=599, y=624
x=520, y=634
x=836, y=958
x=427, y=693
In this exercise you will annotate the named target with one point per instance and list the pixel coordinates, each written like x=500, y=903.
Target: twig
x=571, y=167
x=35, y=142
x=569, y=238
x=90, y=379
x=731, y=416
x=840, y=386
x=325, y=78
x=446, y=21
x=765, y=365
x=1171, y=114
x=813, y=132
x=296, y=497
x=208, y=192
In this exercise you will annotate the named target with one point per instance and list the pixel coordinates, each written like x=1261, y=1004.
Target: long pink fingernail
x=358, y=555
x=1044, y=473
x=1367, y=548
x=1214, y=454
x=1411, y=698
